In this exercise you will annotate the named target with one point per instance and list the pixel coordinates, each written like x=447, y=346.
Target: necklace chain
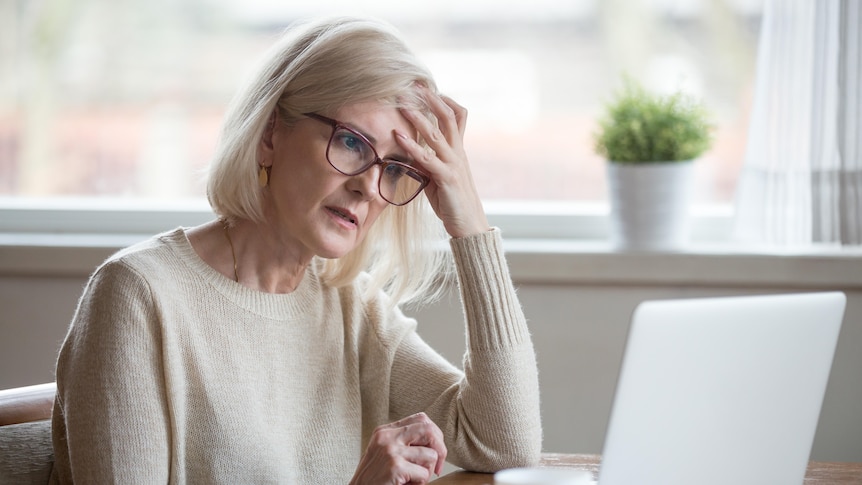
x=232, y=253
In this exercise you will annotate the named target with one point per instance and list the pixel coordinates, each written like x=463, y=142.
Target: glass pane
x=124, y=98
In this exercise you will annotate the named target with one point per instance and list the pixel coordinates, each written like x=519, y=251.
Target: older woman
x=268, y=346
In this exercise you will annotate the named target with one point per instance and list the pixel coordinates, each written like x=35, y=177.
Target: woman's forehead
x=375, y=119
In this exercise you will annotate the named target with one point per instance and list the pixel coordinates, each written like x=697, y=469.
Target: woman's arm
x=110, y=420
x=490, y=414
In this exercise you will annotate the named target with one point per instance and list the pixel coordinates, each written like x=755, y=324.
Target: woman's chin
x=335, y=251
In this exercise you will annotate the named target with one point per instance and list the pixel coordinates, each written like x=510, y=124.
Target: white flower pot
x=649, y=205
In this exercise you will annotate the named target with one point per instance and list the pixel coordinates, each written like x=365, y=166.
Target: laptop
x=721, y=390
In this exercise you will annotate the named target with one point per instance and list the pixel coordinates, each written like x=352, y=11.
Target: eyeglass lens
x=350, y=154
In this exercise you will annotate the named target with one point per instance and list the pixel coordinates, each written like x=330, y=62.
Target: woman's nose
x=366, y=183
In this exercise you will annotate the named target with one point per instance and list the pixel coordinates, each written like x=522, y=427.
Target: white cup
x=542, y=476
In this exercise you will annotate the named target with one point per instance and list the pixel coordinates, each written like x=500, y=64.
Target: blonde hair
x=320, y=67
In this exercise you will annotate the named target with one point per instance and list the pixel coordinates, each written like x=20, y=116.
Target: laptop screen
x=721, y=390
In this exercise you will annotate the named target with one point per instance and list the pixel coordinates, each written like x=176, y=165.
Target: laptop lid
x=721, y=390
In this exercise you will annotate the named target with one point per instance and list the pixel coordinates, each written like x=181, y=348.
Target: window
x=124, y=99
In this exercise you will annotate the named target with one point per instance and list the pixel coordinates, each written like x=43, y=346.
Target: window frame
x=549, y=243
x=523, y=220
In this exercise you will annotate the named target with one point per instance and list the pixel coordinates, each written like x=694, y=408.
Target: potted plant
x=651, y=142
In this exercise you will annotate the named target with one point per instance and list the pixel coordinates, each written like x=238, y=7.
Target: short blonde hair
x=322, y=66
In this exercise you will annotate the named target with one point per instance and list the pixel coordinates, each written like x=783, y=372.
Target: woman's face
x=313, y=206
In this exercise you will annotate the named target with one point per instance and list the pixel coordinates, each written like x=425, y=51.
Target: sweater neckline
x=270, y=305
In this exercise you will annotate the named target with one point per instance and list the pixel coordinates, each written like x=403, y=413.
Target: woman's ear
x=266, y=144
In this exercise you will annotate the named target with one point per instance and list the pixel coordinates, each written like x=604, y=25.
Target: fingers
x=445, y=138
x=438, y=148
x=376, y=468
x=459, y=112
x=452, y=191
x=407, y=451
x=451, y=117
x=419, y=431
x=413, y=418
x=424, y=457
x=427, y=157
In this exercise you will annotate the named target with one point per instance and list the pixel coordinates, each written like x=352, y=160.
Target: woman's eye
x=351, y=142
x=394, y=171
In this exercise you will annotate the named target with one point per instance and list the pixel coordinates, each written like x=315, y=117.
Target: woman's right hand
x=409, y=451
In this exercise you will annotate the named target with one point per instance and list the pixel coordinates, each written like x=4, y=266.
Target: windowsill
x=701, y=264
x=535, y=261
x=546, y=243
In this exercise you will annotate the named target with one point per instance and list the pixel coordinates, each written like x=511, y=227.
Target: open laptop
x=721, y=390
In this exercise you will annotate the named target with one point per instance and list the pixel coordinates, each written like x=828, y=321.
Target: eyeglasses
x=351, y=153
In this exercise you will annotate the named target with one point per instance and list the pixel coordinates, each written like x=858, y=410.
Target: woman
x=267, y=346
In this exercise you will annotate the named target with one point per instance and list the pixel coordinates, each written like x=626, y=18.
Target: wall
x=577, y=298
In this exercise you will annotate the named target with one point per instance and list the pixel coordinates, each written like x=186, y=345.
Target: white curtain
x=801, y=181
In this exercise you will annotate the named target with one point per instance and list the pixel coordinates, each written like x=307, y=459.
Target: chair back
x=26, y=449
x=26, y=404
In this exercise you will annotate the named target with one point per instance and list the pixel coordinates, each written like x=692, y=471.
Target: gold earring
x=263, y=176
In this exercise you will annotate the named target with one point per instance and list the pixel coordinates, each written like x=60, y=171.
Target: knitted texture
x=172, y=373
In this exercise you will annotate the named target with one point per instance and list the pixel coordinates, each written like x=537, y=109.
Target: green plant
x=643, y=127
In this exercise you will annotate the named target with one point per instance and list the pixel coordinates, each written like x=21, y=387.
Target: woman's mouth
x=343, y=214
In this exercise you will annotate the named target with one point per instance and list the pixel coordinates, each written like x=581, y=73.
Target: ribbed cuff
x=494, y=316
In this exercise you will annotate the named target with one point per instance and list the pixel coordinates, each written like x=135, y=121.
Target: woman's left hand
x=451, y=192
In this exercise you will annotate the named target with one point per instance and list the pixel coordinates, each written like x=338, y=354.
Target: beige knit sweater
x=172, y=373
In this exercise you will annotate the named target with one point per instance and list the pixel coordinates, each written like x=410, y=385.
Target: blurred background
x=123, y=98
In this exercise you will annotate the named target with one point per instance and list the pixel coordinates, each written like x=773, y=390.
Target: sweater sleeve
x=490, y=413
x=110, y=421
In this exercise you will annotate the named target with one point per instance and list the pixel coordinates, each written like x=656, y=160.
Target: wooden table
x=818, y=473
